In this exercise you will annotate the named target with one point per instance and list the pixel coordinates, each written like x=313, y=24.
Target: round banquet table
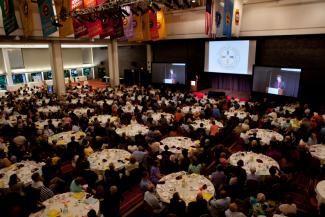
x=188, y=186
x=318, y=152
x=13, y=119
x=240, y=114
x=206, y=124
x=40, y=124
x=261, y=162
x=49, y=109
x=130, y=108
x=279, y=122
x=156, y=116
x=177, y=143
x=101, y=102
x=132, y=129
x=24, y=171
x=77, y=205
x=265, y=135
x=82, y=111
x=99, y=161
x=320, y=192
x=194, y=109
x=103, y=119
x=65, y=137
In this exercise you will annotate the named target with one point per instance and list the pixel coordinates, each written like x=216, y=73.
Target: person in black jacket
x=198, y=207
x=177, y=205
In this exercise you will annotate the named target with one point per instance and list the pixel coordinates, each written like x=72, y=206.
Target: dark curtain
x=231, y=82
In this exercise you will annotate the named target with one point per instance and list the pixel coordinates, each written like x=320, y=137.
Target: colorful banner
x=46, y=12
x=236, y=23
x=94, y=28
x=137, y=28
x=8, y=16
x=62, y=8
x=108, y=27
x=79, y=28
x=127, y=25
x=146, y=27
x=26, y=15
x=161, y=24
x=219, y=16
x=118, y=27
x=154, y=34
x=227, y=20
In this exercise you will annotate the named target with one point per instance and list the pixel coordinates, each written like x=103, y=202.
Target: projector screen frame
x=276, y=95
x=252, y=50
x=171, y=62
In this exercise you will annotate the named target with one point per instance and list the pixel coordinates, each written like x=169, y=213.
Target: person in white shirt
x=233, y=211
x=151, y=199
x=288, y=207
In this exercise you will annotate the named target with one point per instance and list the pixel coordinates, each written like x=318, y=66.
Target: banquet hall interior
x=162, y=108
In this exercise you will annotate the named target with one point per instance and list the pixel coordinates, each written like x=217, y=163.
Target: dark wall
x=307, y=52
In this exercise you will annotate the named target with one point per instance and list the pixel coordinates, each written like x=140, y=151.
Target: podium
x=275, y=91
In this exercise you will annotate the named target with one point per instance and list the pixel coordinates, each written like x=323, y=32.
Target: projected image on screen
x=278, y=81
x=168, y=73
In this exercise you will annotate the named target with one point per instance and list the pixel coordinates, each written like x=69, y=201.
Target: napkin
x=53, y=213
x=207, y=196
x=78, y=195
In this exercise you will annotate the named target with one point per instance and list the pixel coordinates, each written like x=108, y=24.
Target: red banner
x=94, y=28
x=80, y=29
x=154, y=34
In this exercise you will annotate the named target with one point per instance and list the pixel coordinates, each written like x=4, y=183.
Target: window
x=67, y=73
x=3, y=82
x=36, y=77
x=48, y=75
x=18, y=78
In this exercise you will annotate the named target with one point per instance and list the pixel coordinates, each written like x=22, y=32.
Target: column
x=149, y=57
x=113, y=68
x=57, y=68
x=7, y=67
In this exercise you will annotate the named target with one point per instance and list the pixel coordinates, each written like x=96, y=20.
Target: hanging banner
x=236, y=23
x=227, y=20
x=154, y=34
x=62, y=8
x=127, y=24
x=146, y=27
x=208, y=16
x=94, y=27
x=108, y=27
x=118, y=26
x=26, y=15
x=137, y=28
x=161, y=24
x=46, y=12
x=79, y=28
x=219, y=16
x=8, y=16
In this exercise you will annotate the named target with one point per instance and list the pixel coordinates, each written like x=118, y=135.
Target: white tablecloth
x=188, y=187
x=82, y=111
x=130, y=108
x=101, y=102
x=65, y=137
x=320, y=192
x=206, y=124
x=261, y=162
x=240, y=114
x=132, y=130
x=40, y=124
x=194, y=109
x=265, y=135
x=103, y=119
x=156, y=117
x=77, y=205
x=24, y=171
x=318, y=151
x=48, y=109
x=100, y=160
x=177, y=143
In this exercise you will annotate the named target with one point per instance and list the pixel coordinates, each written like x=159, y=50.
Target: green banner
x=8, y=15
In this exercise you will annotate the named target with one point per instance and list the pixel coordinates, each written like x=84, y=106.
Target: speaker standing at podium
x=279, y=84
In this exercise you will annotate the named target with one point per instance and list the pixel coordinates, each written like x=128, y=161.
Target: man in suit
x=279, y=84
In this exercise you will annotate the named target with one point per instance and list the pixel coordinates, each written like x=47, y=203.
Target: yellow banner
x=26, y=15
x=146, y=27
x=137, y=29
x=63, y=7
x=161, y=24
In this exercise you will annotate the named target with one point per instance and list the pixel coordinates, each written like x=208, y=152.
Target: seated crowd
x=237, y=193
